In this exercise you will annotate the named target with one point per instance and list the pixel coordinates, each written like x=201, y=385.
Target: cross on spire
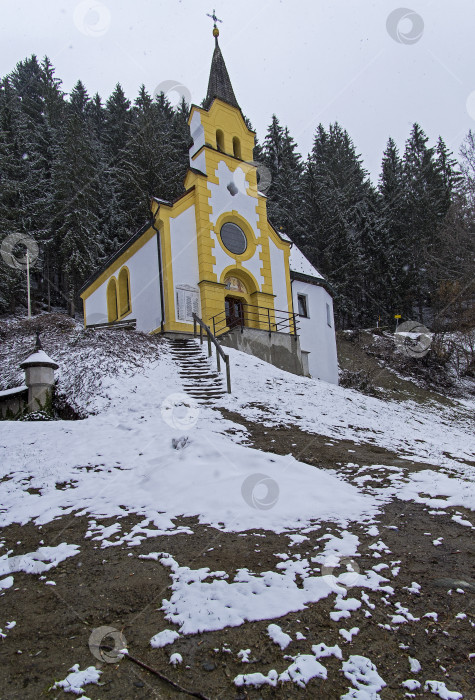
x=214, y=18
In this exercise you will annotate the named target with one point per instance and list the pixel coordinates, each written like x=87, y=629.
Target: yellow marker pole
x=397, y=317
x=28, y=282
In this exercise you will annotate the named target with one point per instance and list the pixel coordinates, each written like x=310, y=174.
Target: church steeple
x=219, y=84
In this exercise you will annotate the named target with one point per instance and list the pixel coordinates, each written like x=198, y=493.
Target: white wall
x=221, y=202
x=96, y=305
x=145, y=286
x=184, y=244
x=197, y=134
x=278, y=268
x=316, y=336
x=144, y=291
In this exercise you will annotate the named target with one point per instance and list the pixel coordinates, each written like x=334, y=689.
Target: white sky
x=306, y=60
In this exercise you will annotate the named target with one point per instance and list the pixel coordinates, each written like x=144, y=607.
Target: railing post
x=268, y=320
x=228, y=374
x=201, y=334
x=194, y=326
x=218, y=360
x=209, y=344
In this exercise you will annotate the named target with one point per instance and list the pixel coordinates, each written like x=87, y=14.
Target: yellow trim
x=244, y=275
x=234, y=218
x=128, y=310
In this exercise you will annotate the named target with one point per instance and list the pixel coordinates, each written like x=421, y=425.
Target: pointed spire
x=219, y=84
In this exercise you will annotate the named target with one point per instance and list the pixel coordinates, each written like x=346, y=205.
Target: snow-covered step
x=200, y=380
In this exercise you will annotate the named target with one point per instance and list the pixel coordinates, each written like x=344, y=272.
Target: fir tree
x=280, y=155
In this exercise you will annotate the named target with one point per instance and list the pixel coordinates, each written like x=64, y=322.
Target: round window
x=233, y=238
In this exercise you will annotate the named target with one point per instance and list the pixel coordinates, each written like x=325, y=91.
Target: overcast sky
x=308, y=61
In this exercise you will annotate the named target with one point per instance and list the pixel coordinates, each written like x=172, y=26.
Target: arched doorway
x=234, y=308
x=234, y=301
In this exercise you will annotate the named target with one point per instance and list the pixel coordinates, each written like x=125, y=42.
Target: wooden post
x=209, y=345
x=228, y=374
x=218, y=360
x=201, y=334
x=194, y=327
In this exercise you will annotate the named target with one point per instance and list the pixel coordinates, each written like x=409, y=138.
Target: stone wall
x=279, y=349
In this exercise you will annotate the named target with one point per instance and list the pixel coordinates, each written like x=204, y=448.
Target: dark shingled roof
x=219, y=85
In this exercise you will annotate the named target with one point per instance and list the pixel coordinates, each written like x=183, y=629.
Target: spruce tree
x=279, y=154
x=76, y=221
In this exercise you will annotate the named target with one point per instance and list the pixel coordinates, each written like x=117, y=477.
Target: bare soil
x=110, y=587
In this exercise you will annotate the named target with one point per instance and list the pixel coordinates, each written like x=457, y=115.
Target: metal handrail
x=262, y=314
x=219, y=350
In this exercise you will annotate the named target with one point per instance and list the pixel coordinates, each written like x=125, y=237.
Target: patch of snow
x=202, y=600
x=439, y=688
x=163, y=638
x=321, y=651
x=44, y=559
x=364, y=676
x=257, y=679
x=279, y=637
x=461, y=521
x=411, y=684
x=349, y=634
x=303, y=669
x=76, y=679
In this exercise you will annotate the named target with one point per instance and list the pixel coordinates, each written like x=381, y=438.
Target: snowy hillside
x=258, y=538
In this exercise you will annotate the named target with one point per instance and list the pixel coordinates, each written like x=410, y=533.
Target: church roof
x=298, y=263
x=219, y=84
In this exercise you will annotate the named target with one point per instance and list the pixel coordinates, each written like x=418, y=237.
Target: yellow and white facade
x=212, y=248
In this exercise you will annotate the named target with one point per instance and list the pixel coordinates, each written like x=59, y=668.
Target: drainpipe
x=160, y=272
x=293, y=310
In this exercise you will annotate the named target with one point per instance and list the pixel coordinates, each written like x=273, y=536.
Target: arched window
x=236, y=147
x=220, y=140
x=112, y=300
x=124, y=292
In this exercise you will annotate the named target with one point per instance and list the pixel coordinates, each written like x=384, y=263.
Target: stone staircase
x=200, y=380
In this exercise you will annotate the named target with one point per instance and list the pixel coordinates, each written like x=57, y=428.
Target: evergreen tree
x=425, y=209
x=76, y=221
x=342, y=227
x=284, y=195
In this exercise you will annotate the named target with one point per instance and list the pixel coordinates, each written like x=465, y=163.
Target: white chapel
x=214, y=253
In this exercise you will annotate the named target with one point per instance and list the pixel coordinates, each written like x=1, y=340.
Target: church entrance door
x=234, y=312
